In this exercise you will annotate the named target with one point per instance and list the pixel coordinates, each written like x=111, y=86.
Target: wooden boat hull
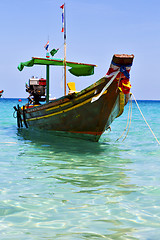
x=88, y=113
x=75, y=115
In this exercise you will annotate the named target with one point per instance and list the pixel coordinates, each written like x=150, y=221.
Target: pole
x=47, y=83
x=65, y=68
x=64, y=31
x=64, y=49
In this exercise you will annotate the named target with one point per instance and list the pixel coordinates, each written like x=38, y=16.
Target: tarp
x=82, y=71
x=77, y=69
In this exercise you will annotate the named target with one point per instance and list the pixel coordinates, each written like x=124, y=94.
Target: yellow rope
x=128, y=121
x=145, y=119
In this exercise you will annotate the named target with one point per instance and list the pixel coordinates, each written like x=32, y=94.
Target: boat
x=85, y=114
x=1, y=92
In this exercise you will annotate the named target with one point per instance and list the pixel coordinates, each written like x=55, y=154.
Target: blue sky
x=96, y=30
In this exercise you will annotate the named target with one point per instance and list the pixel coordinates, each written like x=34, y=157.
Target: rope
x=61, y=46
x=15, y=116
x=128, y=121
x=145, y=119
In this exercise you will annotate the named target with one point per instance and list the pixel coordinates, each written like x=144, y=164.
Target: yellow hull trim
x=63, y=111
x=121, y=103
x=65, y=104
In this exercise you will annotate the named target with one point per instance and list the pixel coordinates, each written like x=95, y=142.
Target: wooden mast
x=64, y=31
x=64, y=67
x=64, y=51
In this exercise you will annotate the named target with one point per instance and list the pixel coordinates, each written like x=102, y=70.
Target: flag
x=62, y=6
x=47, y=46
x=62, y=17
x=54, y=51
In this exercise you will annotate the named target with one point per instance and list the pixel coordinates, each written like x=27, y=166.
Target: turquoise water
x=69, y=189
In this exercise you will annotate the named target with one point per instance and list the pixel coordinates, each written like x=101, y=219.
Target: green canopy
x=82, y=71
x=77, y=69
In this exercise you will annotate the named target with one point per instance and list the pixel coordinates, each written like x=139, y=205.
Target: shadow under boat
x=60, y=143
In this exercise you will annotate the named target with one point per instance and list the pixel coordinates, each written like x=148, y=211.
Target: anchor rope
x=145, y=119
x=129, y=121
x=129, y=118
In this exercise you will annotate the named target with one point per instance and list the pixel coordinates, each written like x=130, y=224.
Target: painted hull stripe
x=63, y=111
x=65, y=104
x=90, y=133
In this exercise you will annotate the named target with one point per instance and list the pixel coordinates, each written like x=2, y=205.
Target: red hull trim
x=89, y=133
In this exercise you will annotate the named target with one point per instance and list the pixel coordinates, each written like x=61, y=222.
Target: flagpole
x=64, y=67
x=64, y=31
x=64, y=51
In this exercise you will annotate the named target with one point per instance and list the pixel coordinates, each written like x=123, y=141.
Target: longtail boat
x=1, y=92
x=85, y=114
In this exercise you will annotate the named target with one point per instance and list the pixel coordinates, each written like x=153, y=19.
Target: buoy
x=19, y=100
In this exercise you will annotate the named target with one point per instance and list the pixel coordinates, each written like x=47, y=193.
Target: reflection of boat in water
x=1, y=92
x=85, y=114
x=50, y=141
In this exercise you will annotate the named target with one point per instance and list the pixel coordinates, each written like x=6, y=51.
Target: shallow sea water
x=68, y=189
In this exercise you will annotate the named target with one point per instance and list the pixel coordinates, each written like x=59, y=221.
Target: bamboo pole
x=47, y=83
x=64, y=49
x=65, y=68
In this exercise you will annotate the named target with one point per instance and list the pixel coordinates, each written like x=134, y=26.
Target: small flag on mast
x=54, y=51
x=47, y=46
x=62, y=17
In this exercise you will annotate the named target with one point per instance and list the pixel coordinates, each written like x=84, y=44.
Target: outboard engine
x=36, y=89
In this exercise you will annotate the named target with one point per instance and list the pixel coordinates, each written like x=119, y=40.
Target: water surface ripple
x=68, y=189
